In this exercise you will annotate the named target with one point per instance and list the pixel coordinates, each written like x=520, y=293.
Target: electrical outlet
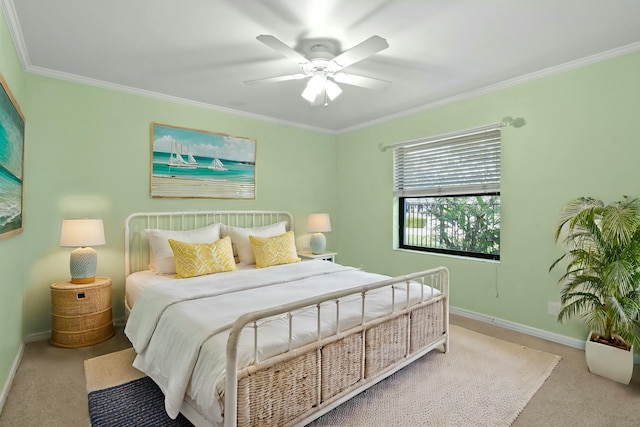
x=553, y=308
x=306, y=243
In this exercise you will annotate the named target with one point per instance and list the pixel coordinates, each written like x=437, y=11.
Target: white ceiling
x=202, y=51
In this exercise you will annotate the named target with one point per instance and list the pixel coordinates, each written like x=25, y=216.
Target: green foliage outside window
x=466, y=224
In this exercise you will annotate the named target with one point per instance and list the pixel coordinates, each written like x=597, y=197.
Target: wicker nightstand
x=81, y=314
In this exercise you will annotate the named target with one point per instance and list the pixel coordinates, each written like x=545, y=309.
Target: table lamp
x=81, y=234
x=317, y=224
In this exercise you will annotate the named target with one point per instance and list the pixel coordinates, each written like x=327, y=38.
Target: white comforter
x=179, y=328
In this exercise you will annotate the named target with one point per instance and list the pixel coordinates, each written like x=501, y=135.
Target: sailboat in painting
x=217, y=165
x=190, y=159
x=176, y=159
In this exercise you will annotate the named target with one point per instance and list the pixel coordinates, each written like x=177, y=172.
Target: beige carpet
x=482, y=381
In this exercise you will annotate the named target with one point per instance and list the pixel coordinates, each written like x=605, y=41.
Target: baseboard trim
x=41, y=336
x=518, y=327
x=14, y=369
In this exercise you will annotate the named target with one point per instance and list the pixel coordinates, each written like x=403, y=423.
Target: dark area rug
x=138, y=403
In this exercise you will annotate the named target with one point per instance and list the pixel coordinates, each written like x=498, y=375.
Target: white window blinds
x=466, y=162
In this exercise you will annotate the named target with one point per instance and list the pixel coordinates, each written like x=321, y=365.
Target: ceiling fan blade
x=285, y=50
x=361, y=51
x=277, y=79
x=362, y=81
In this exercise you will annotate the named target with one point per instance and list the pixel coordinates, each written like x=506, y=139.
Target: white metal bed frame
x=437, y=278
x=135, y=237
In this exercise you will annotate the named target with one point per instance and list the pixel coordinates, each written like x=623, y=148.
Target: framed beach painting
x=200, y=164
x=11, y=163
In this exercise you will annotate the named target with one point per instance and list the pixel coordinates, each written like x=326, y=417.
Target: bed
x=269, y=340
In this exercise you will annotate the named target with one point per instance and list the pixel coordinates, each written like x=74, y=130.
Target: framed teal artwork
x=11, y=164
x=193, y=163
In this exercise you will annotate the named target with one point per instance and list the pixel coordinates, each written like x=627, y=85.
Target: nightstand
x=81, y=313
x=325, y=256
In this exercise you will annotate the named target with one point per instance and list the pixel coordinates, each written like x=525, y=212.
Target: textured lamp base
x=83, y=264
x=318, y=243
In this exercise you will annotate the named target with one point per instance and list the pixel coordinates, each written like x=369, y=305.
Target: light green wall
x=12, y=264
x=89, y=155
x=581, y=138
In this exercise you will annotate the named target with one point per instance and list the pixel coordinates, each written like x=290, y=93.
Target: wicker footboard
x=309, y=381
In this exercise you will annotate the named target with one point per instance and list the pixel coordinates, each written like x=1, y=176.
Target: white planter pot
x=610, y=362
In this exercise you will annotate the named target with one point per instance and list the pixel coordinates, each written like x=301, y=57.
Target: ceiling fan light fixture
x=333, y=90
x=309, y=95
x=314, y=87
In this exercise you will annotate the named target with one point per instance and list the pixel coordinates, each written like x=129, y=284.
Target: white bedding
x=139, y=280
x=179, y=327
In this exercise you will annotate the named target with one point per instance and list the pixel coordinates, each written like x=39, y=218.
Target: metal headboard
x=136, y=251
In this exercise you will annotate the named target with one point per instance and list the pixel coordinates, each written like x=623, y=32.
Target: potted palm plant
x=601, y=280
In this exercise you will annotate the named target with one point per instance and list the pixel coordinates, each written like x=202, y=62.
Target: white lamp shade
x=318, y=223
x=82, y=232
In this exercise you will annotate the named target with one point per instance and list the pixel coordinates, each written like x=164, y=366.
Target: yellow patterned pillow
x=196, y=259
x=274, y=250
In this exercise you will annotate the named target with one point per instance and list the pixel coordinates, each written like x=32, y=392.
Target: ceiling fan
x=324, y=69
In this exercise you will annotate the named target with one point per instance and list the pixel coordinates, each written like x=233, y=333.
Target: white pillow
x=240, y=238
x=161, y=256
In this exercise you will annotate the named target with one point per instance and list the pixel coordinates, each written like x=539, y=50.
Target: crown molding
x=547, y=72
x=163, y=97
x=13, y=24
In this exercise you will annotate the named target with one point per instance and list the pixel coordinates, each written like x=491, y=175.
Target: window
x=448, y=190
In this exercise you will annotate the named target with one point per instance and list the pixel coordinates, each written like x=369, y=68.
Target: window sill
x=458, y=257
